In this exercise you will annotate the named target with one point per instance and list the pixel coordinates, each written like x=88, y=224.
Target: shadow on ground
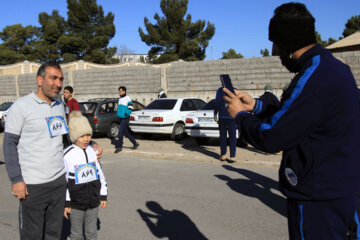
x=256, y=186
x=171, y=224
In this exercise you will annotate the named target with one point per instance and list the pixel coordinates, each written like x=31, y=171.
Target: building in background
x=350, y=43
x=133, y=57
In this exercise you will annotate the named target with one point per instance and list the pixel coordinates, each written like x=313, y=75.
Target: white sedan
x=165, y=116
x=4, y=108
x=202, y=126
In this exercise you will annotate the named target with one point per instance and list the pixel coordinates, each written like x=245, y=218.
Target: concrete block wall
x=27, y=82
x=142, y=82
x=8, y=88
x=353, y=60
x=201, y=79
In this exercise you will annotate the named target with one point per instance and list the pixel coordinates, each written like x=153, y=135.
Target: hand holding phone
x=226, y=82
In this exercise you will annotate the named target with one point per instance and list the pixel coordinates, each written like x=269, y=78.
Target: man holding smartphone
x=316, y=127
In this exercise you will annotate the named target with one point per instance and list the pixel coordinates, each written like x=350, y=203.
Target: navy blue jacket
x=220, y=106
x=316, y=127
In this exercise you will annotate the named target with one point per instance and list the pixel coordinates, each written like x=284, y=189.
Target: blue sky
x=241, y=25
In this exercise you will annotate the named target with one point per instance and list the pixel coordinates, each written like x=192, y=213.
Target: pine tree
x=174, y=37
x=265, y=52
x=88, y=33
x=352, y=25
x=52, y=28
x=231, y=53
x=17, y=44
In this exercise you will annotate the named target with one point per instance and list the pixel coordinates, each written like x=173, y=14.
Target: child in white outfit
x=87, y=186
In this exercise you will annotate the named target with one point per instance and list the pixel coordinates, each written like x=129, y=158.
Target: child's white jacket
x=86, y=180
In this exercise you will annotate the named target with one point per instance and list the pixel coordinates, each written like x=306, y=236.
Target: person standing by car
x=125, y=107
x=269, y=97
x=161, y=93
x=71, y=103
x=226, y=125
x=316, y=127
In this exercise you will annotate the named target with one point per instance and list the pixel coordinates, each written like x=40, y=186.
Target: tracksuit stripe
x=356, y=217
x=301, y=221
x=294, y=95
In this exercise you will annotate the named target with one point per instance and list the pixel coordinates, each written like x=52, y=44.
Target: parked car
x=165, y=116
x=101, y=114
x=202, y=126
x=4, y=108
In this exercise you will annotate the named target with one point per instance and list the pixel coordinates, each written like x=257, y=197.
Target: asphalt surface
x=160, y=197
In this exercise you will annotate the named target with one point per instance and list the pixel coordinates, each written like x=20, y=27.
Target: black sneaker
x=117, y=150
x=135, y=146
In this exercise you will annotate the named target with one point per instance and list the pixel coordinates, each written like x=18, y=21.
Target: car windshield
x=167, y=104
x=5, y=106
x=88, y=107
x=209, y=106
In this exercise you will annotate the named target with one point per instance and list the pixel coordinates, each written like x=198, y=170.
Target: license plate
x=144, y=117
x=203, y=119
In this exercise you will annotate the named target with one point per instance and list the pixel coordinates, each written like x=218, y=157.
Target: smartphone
x=226, y=82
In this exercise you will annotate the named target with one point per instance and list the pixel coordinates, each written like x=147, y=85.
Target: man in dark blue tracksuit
x=317, y=128
x=226, y=125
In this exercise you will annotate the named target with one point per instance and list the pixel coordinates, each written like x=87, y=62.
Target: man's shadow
x=172, y=224
x=256, y=186
x=66, y=228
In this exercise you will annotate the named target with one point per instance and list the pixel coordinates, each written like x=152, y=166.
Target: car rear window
x=5, y=106
x=167, y=104
x=88, y=107
x=209, y=106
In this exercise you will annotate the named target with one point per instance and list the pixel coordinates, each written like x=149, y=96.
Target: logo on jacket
x=291, y=176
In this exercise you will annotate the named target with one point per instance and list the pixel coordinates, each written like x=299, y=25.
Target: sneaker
x=222, y=158
x=117, y=150
x=135, y=146
x=232, y=160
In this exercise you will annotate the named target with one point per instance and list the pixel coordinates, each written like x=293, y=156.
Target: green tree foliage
x=142, y=59
x=352, y=25
x=265, y=52
x=17, y=44
x=322, y=42
x=331, y=41
x=52, y=28
x=85, y=35
x=88, y=33
x=231, y=53
x=174, y=37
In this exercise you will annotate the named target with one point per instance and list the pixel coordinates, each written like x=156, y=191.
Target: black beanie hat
x=292, y=32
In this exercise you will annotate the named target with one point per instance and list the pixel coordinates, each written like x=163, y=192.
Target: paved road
x=200, y=199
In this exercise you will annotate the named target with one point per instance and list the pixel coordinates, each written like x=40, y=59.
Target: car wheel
x=201, y=140
x=113, y=130
x=178, y=131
